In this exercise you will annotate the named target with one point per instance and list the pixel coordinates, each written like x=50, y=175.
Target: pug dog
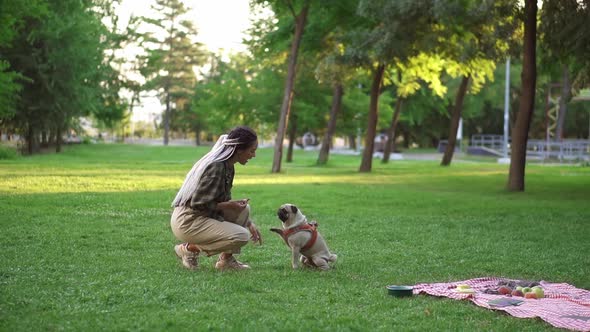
x=307, y=245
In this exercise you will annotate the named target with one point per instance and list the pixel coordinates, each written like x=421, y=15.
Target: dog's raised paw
x=277, y=230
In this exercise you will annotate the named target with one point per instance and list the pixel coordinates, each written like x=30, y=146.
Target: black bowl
x=400, y=291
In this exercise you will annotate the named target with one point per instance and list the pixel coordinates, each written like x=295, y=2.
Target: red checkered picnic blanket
x=563, y=306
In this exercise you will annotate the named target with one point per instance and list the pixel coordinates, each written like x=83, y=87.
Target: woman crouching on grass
x=205, y=217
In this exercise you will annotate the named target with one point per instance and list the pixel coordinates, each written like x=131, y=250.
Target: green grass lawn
x=85, y=243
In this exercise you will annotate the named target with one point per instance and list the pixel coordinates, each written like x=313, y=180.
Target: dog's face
x=290, y=215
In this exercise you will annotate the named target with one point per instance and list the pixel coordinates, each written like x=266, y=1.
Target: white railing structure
x=495, y=142
x=546, y=150
x=564, y=150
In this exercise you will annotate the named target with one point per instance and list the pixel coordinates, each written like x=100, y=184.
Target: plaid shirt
x=214, y=187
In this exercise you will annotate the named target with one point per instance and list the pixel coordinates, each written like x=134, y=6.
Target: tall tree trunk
x=131, y=106
x=300, y=21
x=167, y=118
x=352, y=142
x=563, y=100
x=52, y=138
x=527, y=100
x=367, y=161
x=390, y=144
x=337, y=93
x=455, y=118
x=406, y=136
x=30, y=139
x=44, y=139
x=292, y=134
x=197, y=132
x=58, y=137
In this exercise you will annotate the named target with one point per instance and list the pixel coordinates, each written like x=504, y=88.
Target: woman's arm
x=211, y=187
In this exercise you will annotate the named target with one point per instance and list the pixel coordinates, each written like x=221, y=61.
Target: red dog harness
x=308, y=227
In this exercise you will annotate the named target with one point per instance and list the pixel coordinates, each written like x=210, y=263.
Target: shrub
x=7, y=152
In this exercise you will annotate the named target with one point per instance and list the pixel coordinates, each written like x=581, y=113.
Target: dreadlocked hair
x=244, y=136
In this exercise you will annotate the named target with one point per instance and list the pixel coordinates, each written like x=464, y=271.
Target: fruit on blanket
x=520, y=288
x=466, y=290
x=539, y=292
x=504, y=290
x=530, y=295
x=517, y=292
x=526, y=290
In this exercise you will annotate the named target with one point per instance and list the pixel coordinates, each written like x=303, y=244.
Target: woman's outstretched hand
x=254, y=233
x=237, y=205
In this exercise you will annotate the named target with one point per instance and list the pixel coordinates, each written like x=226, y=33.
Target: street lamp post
x=506, y=107
x=505, y=159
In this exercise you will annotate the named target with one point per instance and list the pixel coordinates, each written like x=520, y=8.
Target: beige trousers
x=211, y=235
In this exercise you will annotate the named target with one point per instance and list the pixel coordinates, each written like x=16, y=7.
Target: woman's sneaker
x=230, y=263
x=190, y=259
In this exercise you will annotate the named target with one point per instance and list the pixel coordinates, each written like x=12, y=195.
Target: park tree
x=333, y=68
x=482, y=111
x=171, y=54
x=335, y=73
x=474, y=36
x=323, y=55
x=291, y=19
x=121, y=77
x=321, y=25
x=408, y=78
x=300, y=20
x=62, y=66
x=14, y=16
x=353, y=113
x=527, y=99
x=242, y=90
x=310, y=103
x=395, y=31
x=271, y=40
x=476, y=71
x=390, y=144
x=211, y=105
x=424, y=119
x=565, y=39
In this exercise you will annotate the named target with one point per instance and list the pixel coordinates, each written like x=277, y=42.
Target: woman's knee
x=245, y=214
x=241, y=237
